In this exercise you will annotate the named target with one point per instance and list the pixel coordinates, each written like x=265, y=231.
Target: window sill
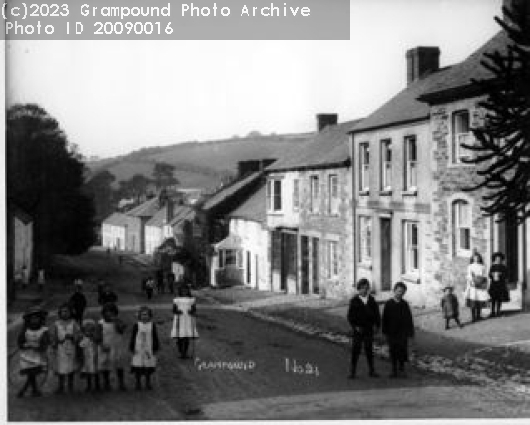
x=410, y=192
x=459, y=165
x=275, y=212
x=364, y=192
x=385, y=192
x=364, y=265
x=411, y=278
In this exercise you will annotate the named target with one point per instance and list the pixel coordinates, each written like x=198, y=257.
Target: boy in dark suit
x=365, y=319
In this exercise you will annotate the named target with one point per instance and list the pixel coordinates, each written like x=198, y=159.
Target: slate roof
x=404, y=107
x=148, y=209
x=230, y=190
x=158, y=220
x=116, y=219
x=459, y=76
x=327, y=148
x=254, y=208
x=181, y=213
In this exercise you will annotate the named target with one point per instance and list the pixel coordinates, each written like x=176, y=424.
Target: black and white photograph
x=306, y=210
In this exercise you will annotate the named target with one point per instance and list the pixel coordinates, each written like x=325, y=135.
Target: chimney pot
x=324, y=120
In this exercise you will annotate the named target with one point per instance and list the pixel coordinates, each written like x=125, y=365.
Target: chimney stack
x=323, y=120
x=421, y=61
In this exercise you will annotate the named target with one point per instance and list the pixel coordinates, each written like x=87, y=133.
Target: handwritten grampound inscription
x=300, y=368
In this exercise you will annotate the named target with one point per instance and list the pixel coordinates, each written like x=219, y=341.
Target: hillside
x=200, y=164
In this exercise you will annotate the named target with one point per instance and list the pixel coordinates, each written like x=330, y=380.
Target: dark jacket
x=107, y=297
x=132, y=342
x=397, y=319
x=365, y=316
x=78, y=303
x=450, y=306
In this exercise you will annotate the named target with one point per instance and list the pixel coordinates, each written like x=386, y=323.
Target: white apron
x=32, y=357
x=89, y=348
x=114, y=356
x=65, y=351
x=184, y=325
x=143, y=347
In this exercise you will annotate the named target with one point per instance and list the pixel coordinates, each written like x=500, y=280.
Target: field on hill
x=201, y=164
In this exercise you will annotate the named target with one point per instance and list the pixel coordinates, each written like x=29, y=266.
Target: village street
x=244, y=368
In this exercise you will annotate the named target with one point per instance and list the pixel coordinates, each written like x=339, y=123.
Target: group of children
x=365, y=320
x=94, y=349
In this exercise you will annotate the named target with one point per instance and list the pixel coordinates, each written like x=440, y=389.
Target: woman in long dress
x=476, y=293
x=184, y=320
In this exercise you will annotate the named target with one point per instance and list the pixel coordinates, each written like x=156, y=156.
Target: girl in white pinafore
x=112, y=348
x=65, y=336
x=476, y=293
x=184, y=326
x=88, y=345
x=144, y=345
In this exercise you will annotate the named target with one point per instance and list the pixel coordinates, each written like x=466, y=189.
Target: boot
x=88, y=383
x=60, y=386
x=71, y=382
x=24, y=388
x=35, y=390
x=106, y=380
x=121, y=380
x=96, y=382
x=148, y=381
x=138, y=385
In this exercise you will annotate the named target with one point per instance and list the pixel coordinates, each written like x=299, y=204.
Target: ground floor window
x=333, y=260
x=230, y=258
x=365, y=232
x=411, y=252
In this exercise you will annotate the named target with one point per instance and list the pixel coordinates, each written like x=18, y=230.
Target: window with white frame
x=274, y=195
x=365, y=240
x=461, y=135
x=333, y=260
x=462, y=227
x=230, y=258
x=411, y=260
x=411, y=164
x=314, y=194
x=364, y=167
x=386, y=165
x=333, y=194
x=296, y=194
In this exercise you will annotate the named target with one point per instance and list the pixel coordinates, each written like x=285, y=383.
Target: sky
x=112, y=97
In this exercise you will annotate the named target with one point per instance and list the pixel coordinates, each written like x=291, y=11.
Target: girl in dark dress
x=398, y=327
x=498, y=289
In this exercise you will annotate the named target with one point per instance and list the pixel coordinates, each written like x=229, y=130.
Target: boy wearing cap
x=365, y=320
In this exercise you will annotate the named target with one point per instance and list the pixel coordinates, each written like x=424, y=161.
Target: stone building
x=459, y=226
x=393, y=186
x=309, y=216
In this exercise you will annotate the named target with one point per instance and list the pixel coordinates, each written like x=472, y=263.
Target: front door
x=508, y=245
x=386, y=254
x=305, y=264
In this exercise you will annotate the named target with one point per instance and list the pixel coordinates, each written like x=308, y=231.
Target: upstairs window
x=315, y=194
x=462, y=228
x=461, y=135
x=333, y=193
x=274, y=195
x=364, y=169
x=296, y=194
x=386, y=165
x=411, y=164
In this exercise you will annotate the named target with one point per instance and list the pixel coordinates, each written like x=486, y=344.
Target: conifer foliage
x=502, y=150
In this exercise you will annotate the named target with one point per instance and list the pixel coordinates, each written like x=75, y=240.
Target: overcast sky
x=112, y=97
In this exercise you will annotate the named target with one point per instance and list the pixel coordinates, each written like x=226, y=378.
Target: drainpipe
x=525, y=268
x=353, y=209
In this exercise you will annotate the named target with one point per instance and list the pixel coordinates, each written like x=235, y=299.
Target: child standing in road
x=111, y=348
x=88, y=345
x=143, y=346
x=65, y=336
x=184, y=327
x=149, y=287
x=33, y=342
x=398, y=328
x=450, y=307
